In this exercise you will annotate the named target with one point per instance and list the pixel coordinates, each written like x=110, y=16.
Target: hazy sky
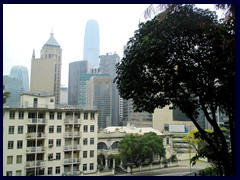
x=28, y=27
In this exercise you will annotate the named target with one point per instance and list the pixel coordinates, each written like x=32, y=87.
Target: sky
x=28, y=26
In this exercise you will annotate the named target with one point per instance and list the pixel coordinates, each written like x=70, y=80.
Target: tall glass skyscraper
x=91, y=43
x=21, y=72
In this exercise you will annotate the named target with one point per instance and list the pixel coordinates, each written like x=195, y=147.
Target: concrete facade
x=48, y=140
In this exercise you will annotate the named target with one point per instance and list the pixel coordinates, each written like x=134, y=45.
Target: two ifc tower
x=46, y=70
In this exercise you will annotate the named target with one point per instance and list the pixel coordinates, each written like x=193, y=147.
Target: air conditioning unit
x=50, y=145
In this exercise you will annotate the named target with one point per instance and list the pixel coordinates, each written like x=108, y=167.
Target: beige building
x=46, y=140
x=46, y=70
x=164, y=119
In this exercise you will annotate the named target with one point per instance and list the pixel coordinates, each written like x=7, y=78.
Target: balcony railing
x=36, y=121
x=32, y=164
x=35, y=135
x=71, y=161
x=70, y=147
x=38, y=149
x=70, y=173
x=72, y=134
x=72, y=121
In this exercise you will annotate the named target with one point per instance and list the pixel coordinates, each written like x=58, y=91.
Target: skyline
x=23, y=32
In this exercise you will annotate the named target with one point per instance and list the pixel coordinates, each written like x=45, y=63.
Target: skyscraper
x=91, y=43
x=21, y=72
x=14, y=86
x=108, y=66
x=75, y=70
x=46, y=71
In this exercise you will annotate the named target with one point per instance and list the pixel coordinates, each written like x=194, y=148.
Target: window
x=84, y=167
x=51, y=115
x=92, y=116
x=92, y=128
x=166, y=127
x=57, y=170
x=20, y=115
x=9, y=173
x=91, y=166
x=51, y=129
x=11, y=130
x=92, y=153
x=49, y=170
x=85, y=128
x=85, y=116
x=9, y=159
x=10, y=144
x=84, y=154
x=91, y=141
x=20, y=129
x=85, y=141
x=167, y=140
x=51, y=100
x=50, y=142
x=19, y=159
x=19, y=144
x=59, y=115
x=50, y=156
x=18, y=172
x=58, y=143
x=59, y=129
x=58, y=156
x=12, y=115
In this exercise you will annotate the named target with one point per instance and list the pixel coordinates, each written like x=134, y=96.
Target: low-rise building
x=40, y=139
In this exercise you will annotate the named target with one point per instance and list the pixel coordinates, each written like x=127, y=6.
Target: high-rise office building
x=75, y=70
x=108, y=66
x=46, y=70
x=99, y=96
x=91, y=43
x=21, y=72
x=14, y=86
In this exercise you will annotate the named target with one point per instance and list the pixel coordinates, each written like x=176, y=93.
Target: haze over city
x=29, y=28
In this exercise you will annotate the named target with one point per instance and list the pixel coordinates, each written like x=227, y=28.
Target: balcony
x=74, y=173
x=35, y=135
x=36, y=121
x=71, y=161
x=72, y=121
x=33, y=164
x=72, y=148
x=39, y=149
x=72, y=134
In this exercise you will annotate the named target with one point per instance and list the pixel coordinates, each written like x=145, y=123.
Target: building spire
x=51, y=32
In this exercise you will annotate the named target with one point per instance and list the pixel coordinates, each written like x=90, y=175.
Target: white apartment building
x=48, y=140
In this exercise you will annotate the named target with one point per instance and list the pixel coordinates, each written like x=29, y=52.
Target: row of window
x=51, y=115
x=40, y=143
x=50, y=129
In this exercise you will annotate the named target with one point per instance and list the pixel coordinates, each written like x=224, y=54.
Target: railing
x=32, y=164
x=36, y=121
x=72, y=121
x=70, y=147
x=71, y=161
x=35, y=135
x=72, y=134
x=38, y=149
x=74, y=173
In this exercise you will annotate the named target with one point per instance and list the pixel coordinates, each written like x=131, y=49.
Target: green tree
x=135, y=148
x=184, y=57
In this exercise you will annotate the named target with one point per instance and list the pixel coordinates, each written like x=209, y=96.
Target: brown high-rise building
x=46, y=70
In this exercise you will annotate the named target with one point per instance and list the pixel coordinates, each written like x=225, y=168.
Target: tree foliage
x=183, y=57
x=135, y=148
